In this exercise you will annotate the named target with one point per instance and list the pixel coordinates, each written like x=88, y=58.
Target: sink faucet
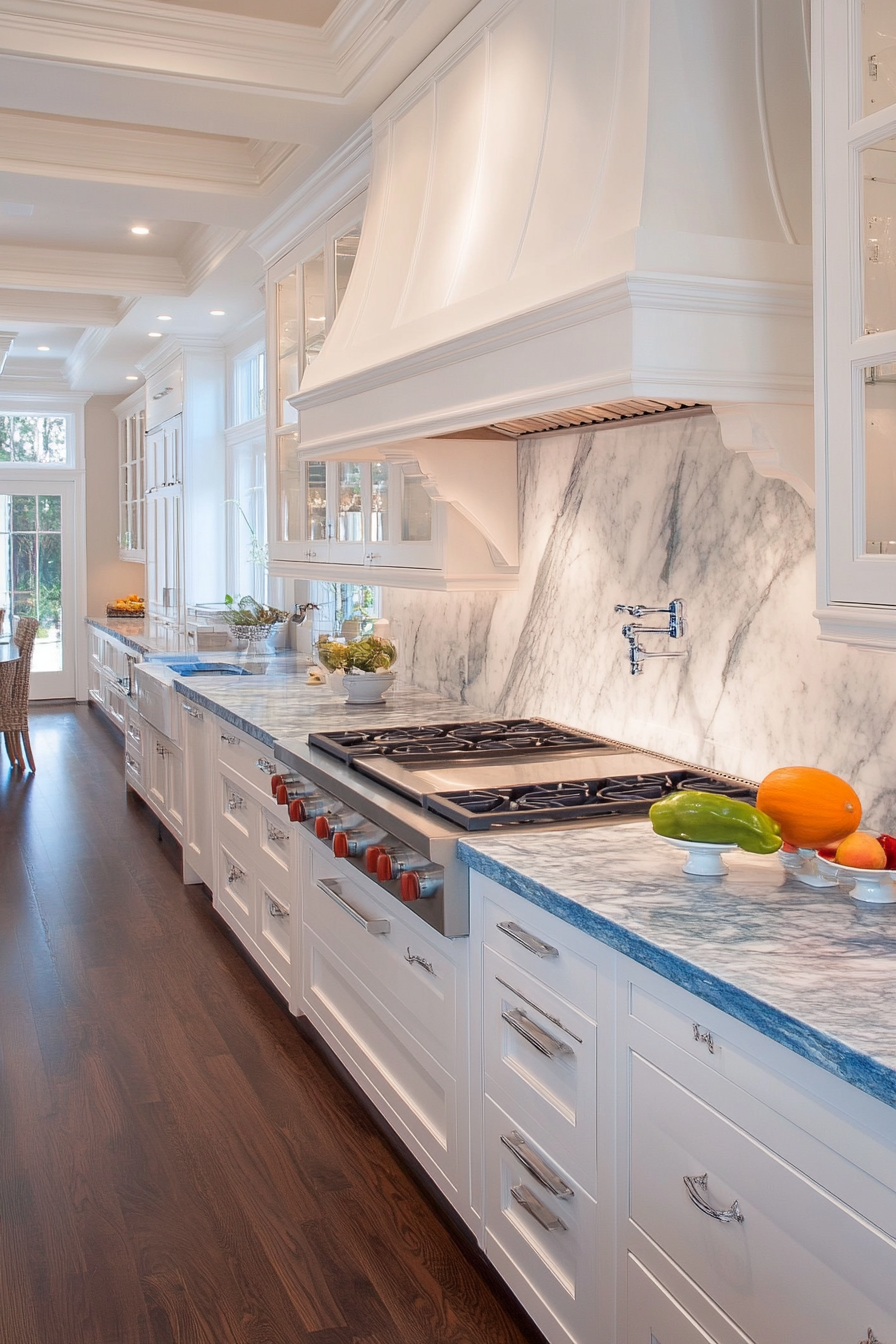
x=676, y=628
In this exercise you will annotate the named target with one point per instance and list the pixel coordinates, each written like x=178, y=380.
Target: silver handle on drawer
x=130, y=762
x=231, y=741
x=527, y=940
x=266, y=766
x=703, y=1036
x=330, y=887
x=234, y=873
x=413, y=960
x=532, y=1032
x=538, y=1008
x=694, y=1185
x=277, y=911
x=275, y=835
x=193, y=713
x=870, y=1338
x=234, y=803
x=539, y=1169
x=540, y=1212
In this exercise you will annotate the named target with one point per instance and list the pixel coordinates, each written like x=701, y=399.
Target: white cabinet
x=108, y=674
x=855, y=371
x=199, y=774
x=185, y=485
x=131, y=477
x=163, y=779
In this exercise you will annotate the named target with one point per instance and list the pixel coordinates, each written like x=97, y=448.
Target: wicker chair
x=14, y=703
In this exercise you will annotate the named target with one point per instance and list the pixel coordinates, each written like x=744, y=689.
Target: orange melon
x=812, y=807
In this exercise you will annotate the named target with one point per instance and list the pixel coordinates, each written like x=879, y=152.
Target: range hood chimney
x=582, y=202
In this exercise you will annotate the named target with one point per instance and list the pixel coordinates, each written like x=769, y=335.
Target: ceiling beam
x=66, y=310
x=89, y=272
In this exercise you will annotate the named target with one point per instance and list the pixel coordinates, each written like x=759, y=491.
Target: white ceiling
x=197, y=122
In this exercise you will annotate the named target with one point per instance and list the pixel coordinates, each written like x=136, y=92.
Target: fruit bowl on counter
x=130, y=606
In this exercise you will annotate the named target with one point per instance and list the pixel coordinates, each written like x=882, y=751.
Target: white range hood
x=576, y=202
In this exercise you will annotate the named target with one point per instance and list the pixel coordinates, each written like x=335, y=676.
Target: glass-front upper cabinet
x=353, y=513
x=305, y=293
x=854, y=160
x=132, y=478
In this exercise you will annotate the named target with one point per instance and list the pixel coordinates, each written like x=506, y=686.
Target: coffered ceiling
x=195, y=123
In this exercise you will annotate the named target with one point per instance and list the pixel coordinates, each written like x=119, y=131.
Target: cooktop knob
x=371, y=858
x=282, y=795
x=340, y=845
x=322, y=828
x=384, y=867
x=410, y=887
x=297, y=810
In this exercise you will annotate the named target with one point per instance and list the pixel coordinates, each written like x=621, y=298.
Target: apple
x=889, y=847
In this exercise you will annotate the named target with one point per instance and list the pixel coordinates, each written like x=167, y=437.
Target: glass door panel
x=346, y=250
x=36, y=579
x=316, y=501
x=416, y=508
x=350, y=517
x=287, y=347
x=314, y=287
x=379, y=501
x=880, y=461
x=878, y=55
x=878, y=168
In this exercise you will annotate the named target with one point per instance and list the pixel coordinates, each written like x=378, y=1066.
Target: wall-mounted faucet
x=676, y=628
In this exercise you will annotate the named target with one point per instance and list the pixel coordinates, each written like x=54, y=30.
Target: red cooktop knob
x=384, y=868
x=372, y=857
x=282, y=795
x=321, y=828
x=410, y=887
x=296, y=810
x=276, y=781
x=340, y=845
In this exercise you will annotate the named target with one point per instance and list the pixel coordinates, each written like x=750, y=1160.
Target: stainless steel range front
x=392, y=803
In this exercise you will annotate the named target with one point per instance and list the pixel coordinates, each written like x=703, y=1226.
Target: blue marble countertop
x=808, y=967
x=130, y=630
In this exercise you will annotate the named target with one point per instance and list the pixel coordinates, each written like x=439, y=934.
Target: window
x=34, y=440
x=338, y=602
x=248, y=386
x=246, y=541
x=31, y=568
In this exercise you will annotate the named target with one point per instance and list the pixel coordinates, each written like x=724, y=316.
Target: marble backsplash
x=646, y=514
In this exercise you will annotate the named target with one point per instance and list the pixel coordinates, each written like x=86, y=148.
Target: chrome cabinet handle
x=413, y=960
x=703, y=1036
x=231, y=741
x=870, y=1338
x=266, y=766
x=234, y=803
x=540, y=1212
x=539, y=1169
x=330, y=887
x=527, y=940
x=275, y=835
x=129, y=761
x=188, y=709
x=694, y=1185
x=538, y=1008
x=234, y=873
x=531, y=1032
x=277, y=911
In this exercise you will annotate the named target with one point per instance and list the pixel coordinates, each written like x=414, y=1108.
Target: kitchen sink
x=208, y=670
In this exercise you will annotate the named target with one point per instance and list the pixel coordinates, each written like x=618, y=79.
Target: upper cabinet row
x=381, y=517
x=854, y=72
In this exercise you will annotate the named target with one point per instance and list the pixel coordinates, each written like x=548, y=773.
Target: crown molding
x=76, y=148
x=173, y=346
x=68, y=310
x=17, y=393
x=89, y=272
x=88, y=347
x=228, y=50
x=336, y=182
x=206, y=248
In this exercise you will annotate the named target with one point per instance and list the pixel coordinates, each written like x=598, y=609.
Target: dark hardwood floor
x=177, y=1164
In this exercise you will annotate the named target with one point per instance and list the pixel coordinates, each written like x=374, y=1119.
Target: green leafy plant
x=245, y=613
x=370, y=654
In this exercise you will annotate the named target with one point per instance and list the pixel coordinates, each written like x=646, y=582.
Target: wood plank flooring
x=177, y=1164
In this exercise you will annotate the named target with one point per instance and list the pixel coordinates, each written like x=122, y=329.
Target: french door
x=37, y=576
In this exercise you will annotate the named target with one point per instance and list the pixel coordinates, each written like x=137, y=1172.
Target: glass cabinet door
x=314, y=289
x=287, y=347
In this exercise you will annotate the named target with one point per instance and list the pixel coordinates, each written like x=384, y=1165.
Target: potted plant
x=251, y=621
x=365, y=663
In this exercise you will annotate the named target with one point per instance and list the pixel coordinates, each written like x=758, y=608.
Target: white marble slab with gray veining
x=810, y=968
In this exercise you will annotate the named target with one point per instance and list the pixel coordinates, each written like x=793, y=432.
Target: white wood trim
x=89, y=272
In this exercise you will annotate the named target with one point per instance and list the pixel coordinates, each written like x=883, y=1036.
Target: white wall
x=646, y=514
x=107, y=576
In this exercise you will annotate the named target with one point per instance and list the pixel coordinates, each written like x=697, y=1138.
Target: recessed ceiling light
x=43, y=347
x=217, y=312
x=131, y=378
x=16, y=208
x=163, y=317
x=140, y=229
x=154, y=334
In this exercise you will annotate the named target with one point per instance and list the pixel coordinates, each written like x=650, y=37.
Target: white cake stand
x=877, y=886
x=704, y=860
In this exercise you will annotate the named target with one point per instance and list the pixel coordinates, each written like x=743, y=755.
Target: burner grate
x=450, y=739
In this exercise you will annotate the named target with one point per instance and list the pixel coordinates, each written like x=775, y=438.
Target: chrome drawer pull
x=266, y=766
x=234, y=803
x=532, y=1004
x=330, y=887
x=527, y=940
x=870, y=1338
x=275, y=835
x=704, y=1037
x=231, y=741
x=693, y=1185
x=531, y=1032
x=413, y=960
x=540, y=1212
x=276, y=910
x=532, y=1162
x=188, y=709
x=234, y=873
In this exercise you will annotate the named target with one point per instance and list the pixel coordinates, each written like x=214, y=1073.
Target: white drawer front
x=133, y=733
x=411, y=975
x=276, y=840
x=273, y=931
x=800, y=1266
x=655, y=1317
x=542, y=1240
x=246, y=759
x=384, y=1055
x=235, y=892
x=133, y=770
x=529, y=940
x=541, y=1060
x=237, y=809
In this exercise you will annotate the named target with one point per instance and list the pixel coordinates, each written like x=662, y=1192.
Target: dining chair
x=14, y=696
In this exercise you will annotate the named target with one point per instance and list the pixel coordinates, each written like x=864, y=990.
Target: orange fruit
x=861, y=850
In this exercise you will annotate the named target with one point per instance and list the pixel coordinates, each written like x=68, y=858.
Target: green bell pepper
x=712, y=819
